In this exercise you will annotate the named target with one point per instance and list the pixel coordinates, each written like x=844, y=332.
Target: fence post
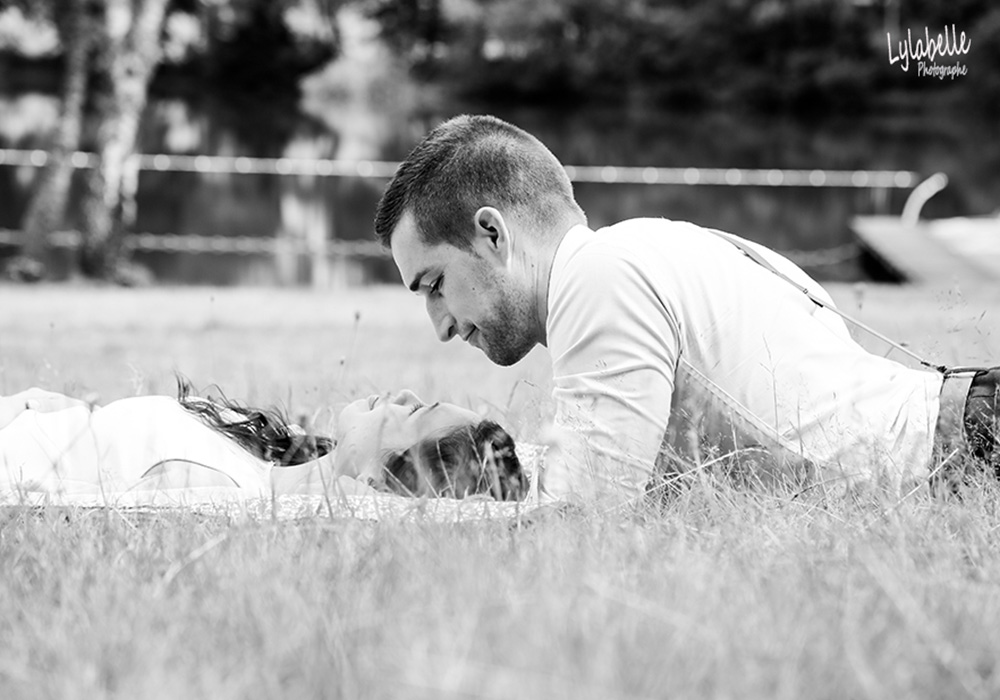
x=321, y=229
x=285, y=258
x=880, y=197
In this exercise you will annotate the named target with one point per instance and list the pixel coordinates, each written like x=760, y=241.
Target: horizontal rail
x=609, y=174
x=193, y=243
x=251, y=245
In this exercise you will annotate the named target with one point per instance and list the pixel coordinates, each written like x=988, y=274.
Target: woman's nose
x=405, y=398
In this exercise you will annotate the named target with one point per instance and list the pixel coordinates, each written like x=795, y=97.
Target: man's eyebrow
x=415, y=284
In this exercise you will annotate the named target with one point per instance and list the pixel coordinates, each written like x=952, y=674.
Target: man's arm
x=614, y=346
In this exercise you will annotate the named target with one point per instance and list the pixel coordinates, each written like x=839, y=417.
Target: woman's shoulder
x=152, y=408
x=142, y=403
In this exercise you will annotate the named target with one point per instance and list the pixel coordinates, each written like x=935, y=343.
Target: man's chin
x=504, y=357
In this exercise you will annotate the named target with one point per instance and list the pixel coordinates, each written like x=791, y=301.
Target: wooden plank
x=975, y=239
x=934, y=251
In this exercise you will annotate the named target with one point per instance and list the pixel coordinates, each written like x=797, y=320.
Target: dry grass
x=726, y=592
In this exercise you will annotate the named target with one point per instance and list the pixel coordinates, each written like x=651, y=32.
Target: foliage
x=251, y=48
x=246, y=47
x=985, y=77
x=815, y=55
x=259, y=48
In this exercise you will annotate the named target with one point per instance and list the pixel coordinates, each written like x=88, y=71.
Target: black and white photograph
x=584, y=349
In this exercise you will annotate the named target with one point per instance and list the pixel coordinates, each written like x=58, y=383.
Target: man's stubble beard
x=507, y=334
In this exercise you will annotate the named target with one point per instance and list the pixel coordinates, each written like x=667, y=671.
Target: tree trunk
x=47, y=208
x=128, y=55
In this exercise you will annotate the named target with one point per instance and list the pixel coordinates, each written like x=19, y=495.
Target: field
x=727, y=592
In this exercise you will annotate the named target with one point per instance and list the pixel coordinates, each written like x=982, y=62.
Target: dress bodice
x=146, y=443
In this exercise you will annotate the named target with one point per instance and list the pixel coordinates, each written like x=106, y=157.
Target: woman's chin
x=344, y=464
x=350, y=462
x=371, y=473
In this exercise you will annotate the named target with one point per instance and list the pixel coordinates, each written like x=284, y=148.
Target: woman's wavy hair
x=264, y=433
x=475, y=459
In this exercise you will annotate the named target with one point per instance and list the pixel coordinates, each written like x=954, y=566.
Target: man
x=671, y=345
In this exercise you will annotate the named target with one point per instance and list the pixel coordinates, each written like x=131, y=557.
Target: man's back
x=651, y=319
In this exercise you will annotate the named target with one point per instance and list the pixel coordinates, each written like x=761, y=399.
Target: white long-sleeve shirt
x=667, y=340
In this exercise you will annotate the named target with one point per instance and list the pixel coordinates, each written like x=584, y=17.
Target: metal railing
x=607, y=174
x=880, y=181
x=194, y=243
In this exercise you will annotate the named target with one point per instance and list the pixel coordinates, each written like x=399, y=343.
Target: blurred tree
x=412, y=28
x=262, y=48
x=114, y=47
x=936, y=13
x=984, y=66
x=45, y=213
x=769, y=55
x=128, y=50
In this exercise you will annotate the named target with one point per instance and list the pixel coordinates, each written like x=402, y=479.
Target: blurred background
x=243, y=142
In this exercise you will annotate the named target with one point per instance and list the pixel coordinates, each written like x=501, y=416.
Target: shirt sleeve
x=614, y=345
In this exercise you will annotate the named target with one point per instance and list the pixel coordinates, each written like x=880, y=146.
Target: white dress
x=150, y=451
x=146, y=449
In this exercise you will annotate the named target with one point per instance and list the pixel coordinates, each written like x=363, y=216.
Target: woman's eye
x=436, y=287
x=416, y=407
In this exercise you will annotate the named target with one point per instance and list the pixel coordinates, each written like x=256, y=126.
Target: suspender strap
x=759, y=259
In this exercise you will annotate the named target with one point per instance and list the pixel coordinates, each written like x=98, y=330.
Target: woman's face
x=368, y=428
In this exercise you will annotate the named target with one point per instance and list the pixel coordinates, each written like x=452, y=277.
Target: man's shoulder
x=626, y=243
x=640, y=225
x=615, y=263
x=649, y=223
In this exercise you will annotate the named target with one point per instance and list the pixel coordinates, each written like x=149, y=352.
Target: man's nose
x=444, y=322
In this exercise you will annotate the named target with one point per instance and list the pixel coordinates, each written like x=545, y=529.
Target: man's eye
x=436, y=287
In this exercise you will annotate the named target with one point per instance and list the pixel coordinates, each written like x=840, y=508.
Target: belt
x=981, y=418
x=951, y=436
x=950, y=430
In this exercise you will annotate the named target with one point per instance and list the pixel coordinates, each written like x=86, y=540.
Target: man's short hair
x=470, y=162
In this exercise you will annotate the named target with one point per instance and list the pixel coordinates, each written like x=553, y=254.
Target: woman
x=54, y=444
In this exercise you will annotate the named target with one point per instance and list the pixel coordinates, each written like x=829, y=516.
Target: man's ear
x=492, y=238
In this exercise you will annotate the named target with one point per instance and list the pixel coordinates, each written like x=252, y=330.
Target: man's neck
x=545, y=258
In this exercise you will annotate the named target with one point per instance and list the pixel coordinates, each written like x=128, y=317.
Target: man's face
x=469, y=293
